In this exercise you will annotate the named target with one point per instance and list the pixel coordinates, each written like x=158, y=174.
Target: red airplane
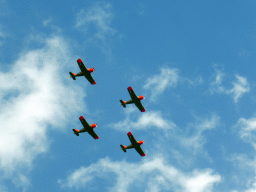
x=135, y=99
x=84, y=72
x=135, y=144
x=87, y=128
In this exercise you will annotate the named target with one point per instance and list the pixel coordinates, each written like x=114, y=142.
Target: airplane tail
x=123, y=103
x=123, y=148
x=72, y=75
x=75, y=132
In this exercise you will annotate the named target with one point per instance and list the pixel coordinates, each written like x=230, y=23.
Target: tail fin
x=123, y=103
x=72, y=75
x=75, y=132
x=123, y=148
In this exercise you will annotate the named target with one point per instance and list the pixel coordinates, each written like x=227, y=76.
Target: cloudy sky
x=193, y=61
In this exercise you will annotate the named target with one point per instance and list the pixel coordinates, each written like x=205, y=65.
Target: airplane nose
x=81, y=117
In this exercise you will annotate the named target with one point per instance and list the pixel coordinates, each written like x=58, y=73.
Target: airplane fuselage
x=83, y=69
x=135, y=100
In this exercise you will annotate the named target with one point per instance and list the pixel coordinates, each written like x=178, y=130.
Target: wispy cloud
x=98, y=19
x=196, y=82
x=34, y=96
x=152, y=174
x=100, y=15
x=158, y=83
x=193, y=138
x=245, y=163
x=252, y=188
x=244, y=171
x=247, y=129
x=216, y=86
x=47, y=21
x=147, y=120
x=2, y=33
x=141, y=8
x=240, y=86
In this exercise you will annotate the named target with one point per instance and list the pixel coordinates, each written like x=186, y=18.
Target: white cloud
x=100, y=15
x=191, y=139
x=194, y=139
x=196, y=82
x=187, y=144
x=246, y=163
x=240, y=86
x=158, y=83
x=216, y=85
x=98, y=19
x=247, y=129
x=244, y=171
x=252, y=189
x=152, y=174
x=146, y=120
x=47, y=21
x=34, y=96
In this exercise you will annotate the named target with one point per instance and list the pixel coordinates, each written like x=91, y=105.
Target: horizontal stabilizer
x=72, y=75
x=123, y=148
x=75, y=132
x=123, y=103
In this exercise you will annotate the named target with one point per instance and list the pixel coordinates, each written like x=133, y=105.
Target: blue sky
x=193, y=61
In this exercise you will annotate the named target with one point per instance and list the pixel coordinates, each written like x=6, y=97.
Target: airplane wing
x=140, y=151
x=92, y=133
x=140, y=106
x=89, y=77
x=84, y=123
x=132, y=93
x=132, y=139
x=81, y=65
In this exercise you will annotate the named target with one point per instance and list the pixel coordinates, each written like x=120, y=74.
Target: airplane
x=87, y=128
x=135, y=144
x=84, y=72
x=135, y=99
